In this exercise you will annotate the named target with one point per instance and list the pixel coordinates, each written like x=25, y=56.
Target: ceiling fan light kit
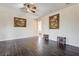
x=29, y=7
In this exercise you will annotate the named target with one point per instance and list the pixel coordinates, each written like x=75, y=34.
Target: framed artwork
x=54, y=22
x=19, y=22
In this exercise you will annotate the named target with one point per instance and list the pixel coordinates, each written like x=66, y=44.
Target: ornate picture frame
x=19, y=22
x=54, y=22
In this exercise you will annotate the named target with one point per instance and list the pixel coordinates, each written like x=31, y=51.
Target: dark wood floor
x=35, y=47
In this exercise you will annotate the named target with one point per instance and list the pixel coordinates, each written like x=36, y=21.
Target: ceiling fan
x=28, y=7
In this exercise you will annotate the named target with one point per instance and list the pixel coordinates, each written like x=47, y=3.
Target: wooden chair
x=61, y=41
x=46, y=37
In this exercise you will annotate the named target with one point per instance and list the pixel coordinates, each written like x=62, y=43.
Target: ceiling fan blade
x=33, y=11
x=24, y=9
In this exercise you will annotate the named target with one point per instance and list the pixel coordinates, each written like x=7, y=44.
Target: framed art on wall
x=19, y=22
x=54, y=22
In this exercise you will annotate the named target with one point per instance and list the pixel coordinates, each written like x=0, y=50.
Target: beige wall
x=7, y=29
x=69, y=25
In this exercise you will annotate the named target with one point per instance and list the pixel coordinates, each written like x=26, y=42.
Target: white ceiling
x=47, y=8
x=42, y=8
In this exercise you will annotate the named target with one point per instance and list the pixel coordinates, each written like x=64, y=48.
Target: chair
x=61, y=41
x=46, y=37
